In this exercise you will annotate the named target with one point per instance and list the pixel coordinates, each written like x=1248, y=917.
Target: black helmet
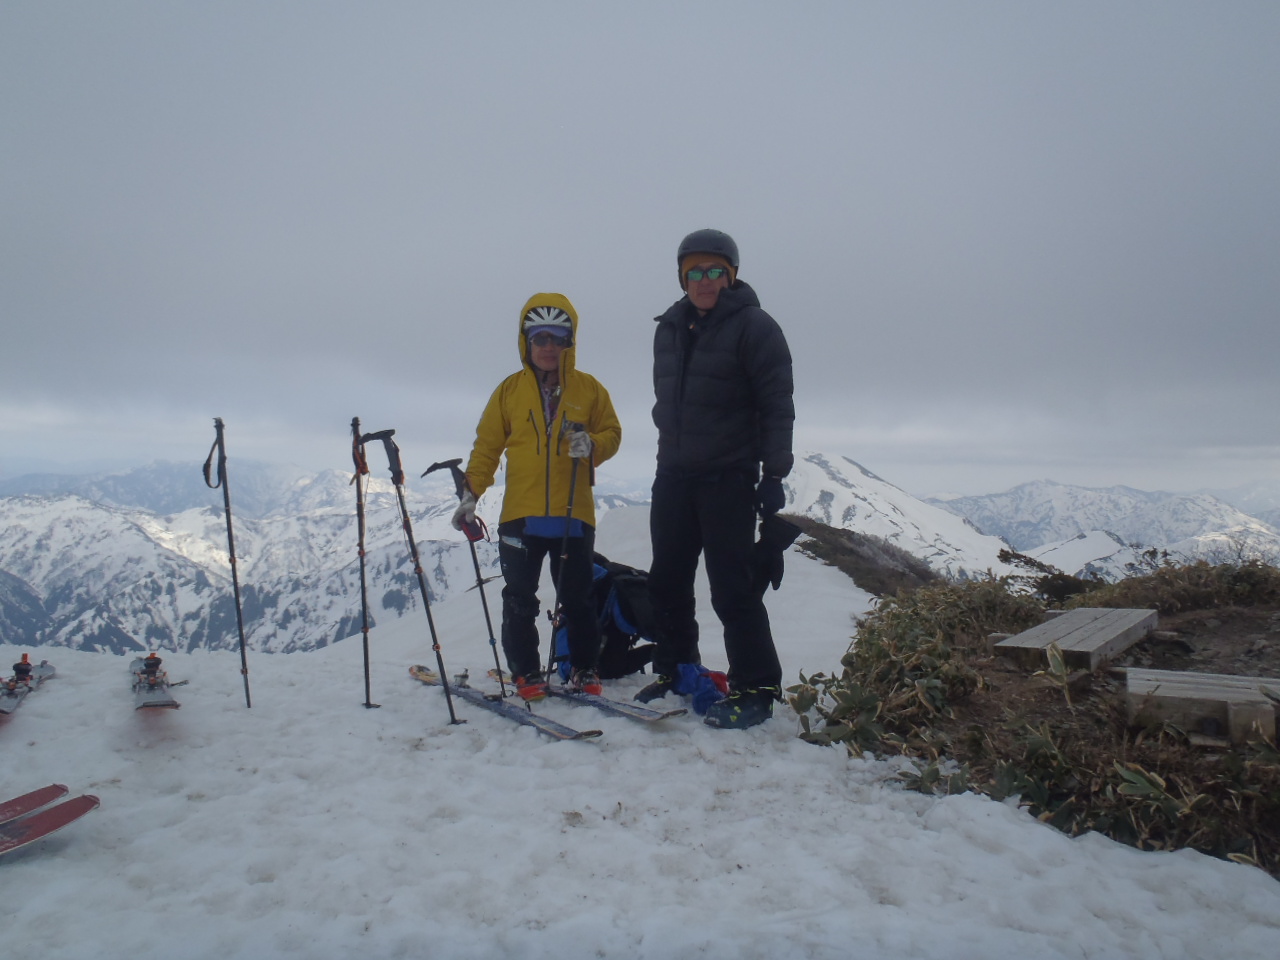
x=707, y=241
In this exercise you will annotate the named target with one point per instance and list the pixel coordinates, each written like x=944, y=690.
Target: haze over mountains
x=138, y=560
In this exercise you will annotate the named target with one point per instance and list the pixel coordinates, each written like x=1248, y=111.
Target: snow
x=1095, y=551
x=309, y=826
x=841, y=493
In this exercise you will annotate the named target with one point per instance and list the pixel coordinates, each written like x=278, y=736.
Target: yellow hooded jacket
x=538, y=463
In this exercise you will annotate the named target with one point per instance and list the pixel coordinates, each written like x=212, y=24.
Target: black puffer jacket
x=723, y=388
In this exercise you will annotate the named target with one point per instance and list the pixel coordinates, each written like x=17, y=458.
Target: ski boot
x=743, y=708
x=705, y=687
x=660, y=687
x=585, y=680
x=532, y=687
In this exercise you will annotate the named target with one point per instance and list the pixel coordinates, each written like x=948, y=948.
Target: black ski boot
x=743, y=708
x=660, y=687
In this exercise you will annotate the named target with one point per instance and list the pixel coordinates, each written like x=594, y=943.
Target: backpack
x=621, y=596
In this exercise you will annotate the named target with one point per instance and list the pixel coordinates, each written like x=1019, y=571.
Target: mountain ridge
x=1042, y=515
x=102, y=563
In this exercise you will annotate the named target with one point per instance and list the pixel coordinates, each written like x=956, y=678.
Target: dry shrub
x=918, y=682
x=1194, y=586
x=906, y=663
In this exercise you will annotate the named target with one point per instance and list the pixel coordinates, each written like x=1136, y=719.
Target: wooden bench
x=1088, y=637
x=1206, y=703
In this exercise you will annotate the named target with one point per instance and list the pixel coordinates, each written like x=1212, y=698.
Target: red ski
x=36, y=826
x=20, y=806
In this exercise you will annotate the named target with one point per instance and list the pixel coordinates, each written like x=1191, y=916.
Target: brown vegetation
x=920, y=681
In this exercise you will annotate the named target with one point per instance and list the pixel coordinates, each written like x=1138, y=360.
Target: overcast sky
x=1007, y=241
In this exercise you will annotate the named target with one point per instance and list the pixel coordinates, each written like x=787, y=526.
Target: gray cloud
x=1006, y=241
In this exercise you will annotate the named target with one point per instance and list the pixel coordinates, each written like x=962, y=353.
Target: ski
x=151, y=685
x=504, y=708
x=15, y=689
x=36, y=826
x=615, y=708
x=21, y=806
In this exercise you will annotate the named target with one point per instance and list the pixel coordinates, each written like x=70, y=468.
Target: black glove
x=770, y=497
x=769, y=569
x=776, y=535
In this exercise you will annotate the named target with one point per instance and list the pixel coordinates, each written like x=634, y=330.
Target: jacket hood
x=548, y=300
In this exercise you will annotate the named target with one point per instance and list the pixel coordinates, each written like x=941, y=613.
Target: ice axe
x=473, y=530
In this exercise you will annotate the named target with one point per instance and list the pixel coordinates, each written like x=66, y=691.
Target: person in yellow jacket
x=556, y=424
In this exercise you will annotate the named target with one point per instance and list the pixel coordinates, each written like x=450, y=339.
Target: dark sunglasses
x=548, y=340
x=715, y=273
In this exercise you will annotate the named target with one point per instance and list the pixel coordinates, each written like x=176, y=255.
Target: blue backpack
x=621, y=595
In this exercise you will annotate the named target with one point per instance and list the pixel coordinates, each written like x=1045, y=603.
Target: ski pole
x=362, y=470
x=220, y=447
x=397, y=478
x=554, y=615
x=473, y=531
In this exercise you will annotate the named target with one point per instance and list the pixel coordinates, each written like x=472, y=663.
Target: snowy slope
x=311, y=827
x=1091, y=554
x=842, y=493
x=1260, y=499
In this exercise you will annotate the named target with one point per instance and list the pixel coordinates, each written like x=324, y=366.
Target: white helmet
x=551, y=320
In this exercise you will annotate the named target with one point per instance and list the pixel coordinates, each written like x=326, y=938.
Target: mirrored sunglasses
x=714, y=273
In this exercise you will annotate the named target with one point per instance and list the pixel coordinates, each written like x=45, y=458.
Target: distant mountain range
x=138, y=560
x=1088, y=530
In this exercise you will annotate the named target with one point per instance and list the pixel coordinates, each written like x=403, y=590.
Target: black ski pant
x=521, y=557
x=712, y=516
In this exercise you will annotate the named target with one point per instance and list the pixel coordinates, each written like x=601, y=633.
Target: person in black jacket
x=723, y=407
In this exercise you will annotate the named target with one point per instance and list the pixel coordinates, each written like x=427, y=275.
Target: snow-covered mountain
x=164, y=487
x=97, y=576
x=1045, y=514
x=105, y=564
x=844, y=494
x=1093, y=554
x=1261, y=500
x=109, y=567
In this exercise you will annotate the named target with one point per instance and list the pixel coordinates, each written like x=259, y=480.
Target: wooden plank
x=1087, y=636
x=1230, y=684
x=1108, y=636
x=1202, y=702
